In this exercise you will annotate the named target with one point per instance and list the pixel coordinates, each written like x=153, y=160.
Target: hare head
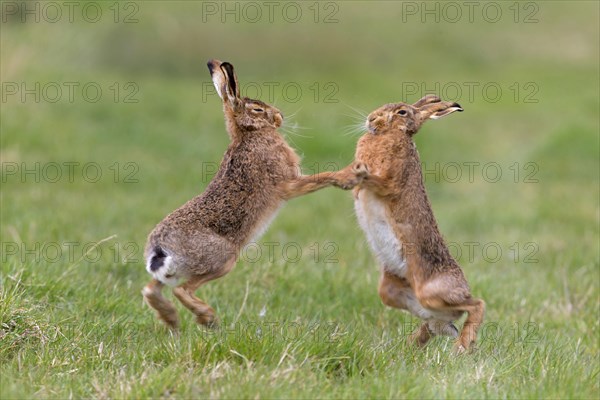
x=407, y=118
x=241, y=113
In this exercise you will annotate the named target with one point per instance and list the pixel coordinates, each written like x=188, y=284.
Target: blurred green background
x=122, y=88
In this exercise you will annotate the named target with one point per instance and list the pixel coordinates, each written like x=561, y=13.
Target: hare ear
x=427, y=99
x=232, y=88
x=446, y=111
x=217, y=76
x=438, y=110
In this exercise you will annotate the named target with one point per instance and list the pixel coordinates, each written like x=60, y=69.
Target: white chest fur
x=373, y=217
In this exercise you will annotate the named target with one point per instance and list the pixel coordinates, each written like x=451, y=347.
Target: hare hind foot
x=165, y=310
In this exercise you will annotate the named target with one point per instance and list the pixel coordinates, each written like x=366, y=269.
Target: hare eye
x=401, y=112
x=258, y=110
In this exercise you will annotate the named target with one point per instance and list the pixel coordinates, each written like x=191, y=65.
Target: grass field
x=107, y=126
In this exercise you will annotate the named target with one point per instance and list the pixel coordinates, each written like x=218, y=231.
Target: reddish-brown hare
x=201, y=240
x=418, y=273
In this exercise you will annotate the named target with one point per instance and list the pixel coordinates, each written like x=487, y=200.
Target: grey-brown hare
x=201, y=240
x=418, y=273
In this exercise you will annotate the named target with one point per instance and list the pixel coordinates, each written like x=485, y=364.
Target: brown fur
x=201, y=240
x=395, y=182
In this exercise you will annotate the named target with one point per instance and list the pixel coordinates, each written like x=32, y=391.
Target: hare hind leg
x=422, y=335
x=451, y=296
x=396, y=292
x=205, y=314
x=393, y=290
x=165, y=310
x=475, y=309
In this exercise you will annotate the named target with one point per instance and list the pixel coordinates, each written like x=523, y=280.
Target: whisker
x=354, y=129
x=292, y=115
x=289, y=138
x=355, y=117
x=358, y=127
x=291, y=130
x=297, y=134
x=294, y=127
x=291, y=127
x=358, y=111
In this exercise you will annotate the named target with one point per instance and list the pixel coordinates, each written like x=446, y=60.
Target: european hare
x=418, y=273
x=201, y=240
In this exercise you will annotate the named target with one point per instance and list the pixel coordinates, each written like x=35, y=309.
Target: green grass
x=73, y=324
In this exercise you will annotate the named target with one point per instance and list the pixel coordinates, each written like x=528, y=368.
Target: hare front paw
x=352, y=175
x=347, y=184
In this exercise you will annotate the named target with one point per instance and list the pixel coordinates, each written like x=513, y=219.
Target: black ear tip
x=456, y=105
x=228, y=69
x=212, y=65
